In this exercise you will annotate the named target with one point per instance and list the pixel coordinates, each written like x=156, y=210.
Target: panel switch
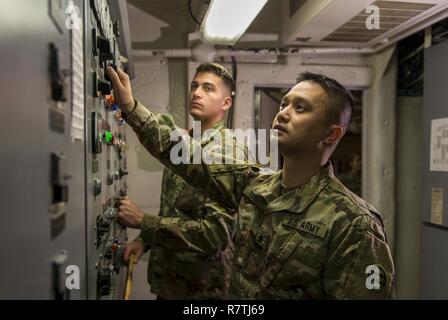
x=96, y=187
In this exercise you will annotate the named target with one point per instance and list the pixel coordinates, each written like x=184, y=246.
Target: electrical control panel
x=64, y=168
x=106, y=155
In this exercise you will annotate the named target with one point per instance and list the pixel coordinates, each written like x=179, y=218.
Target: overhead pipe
x=189, y=52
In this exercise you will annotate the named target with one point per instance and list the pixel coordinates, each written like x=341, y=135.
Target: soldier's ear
x=227, y=103
x=334, y=134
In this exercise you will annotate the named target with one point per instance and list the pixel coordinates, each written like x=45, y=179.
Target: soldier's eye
x=193, y=86
x=208, y=88
x=300, y=108
x=283, y=105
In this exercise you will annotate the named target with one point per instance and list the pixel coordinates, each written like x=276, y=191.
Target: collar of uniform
x=267, y=191
x=295, y=200
x=207, y=134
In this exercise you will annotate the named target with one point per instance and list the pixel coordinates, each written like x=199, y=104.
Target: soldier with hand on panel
x=190, y=241
x=301, y=234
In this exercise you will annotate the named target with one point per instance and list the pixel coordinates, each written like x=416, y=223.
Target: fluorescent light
x=227, y=20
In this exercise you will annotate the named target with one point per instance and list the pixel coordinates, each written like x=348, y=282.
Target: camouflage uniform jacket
x=190, y=241
x=319, y=241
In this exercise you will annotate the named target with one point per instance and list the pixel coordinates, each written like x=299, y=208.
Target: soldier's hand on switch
x=129, y=214
x=136, y=247
x=122, y=89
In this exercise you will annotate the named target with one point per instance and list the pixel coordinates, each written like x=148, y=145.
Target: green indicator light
x=108, y=136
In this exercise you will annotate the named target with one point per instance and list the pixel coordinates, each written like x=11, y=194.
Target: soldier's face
x=301, y=123
x=209, y=97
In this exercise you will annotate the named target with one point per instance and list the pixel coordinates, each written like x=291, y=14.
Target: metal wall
x=43, y=214
x=408, y=199
x=434, y=228
x=54, y=221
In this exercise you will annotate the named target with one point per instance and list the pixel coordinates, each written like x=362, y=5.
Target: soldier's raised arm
x=223, y=182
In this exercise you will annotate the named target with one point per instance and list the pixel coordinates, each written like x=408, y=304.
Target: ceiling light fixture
x=227, y=20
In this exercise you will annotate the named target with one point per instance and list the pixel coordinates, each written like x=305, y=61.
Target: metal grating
x=392, y=14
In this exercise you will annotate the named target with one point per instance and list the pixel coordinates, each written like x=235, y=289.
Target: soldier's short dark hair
x=219, y=71
x=341, y=99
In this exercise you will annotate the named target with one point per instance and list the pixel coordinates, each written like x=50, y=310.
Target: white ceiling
x=165, y=24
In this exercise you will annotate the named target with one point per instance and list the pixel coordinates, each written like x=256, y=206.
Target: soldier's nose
x=282, y=117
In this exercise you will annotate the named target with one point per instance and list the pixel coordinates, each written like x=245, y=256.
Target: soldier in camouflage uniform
x=190, y=241
x=301, y=234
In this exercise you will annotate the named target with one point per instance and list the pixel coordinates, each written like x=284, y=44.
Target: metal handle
x=128, y=287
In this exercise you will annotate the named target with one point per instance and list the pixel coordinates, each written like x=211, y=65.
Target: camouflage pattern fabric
x=190, y=241
x=319, y=241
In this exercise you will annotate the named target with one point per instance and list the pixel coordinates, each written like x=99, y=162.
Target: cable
x=191, y=13
x=412, y=54
x=408, y=85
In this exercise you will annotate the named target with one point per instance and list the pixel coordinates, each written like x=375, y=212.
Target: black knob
x=110, y=179
x=104, y=87
x=123, y=173
x=105, y=48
